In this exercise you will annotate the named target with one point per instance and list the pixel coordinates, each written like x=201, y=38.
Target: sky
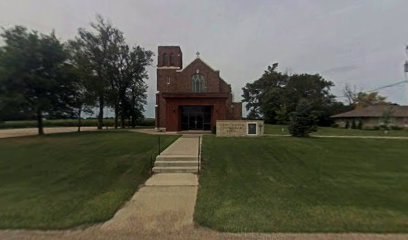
x=360, y=43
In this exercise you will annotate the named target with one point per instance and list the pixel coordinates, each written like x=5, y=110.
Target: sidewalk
x=340, y=136
x=166, y=202
x=164, y=205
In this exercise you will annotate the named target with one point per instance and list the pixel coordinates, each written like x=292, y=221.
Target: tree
x=33, y=75
x=350, y=94
x=137, y=101
x=85, y=96
x=263, y=96
x=276, y=94
x=97, y=49
x=128, y=88
x=365, y=99
x=134, y=97
x=362, y=99
x=386, y=118
x=112, y=72
x=303, y=120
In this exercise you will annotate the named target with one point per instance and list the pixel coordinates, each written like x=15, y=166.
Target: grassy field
x=329, y=131
x=285, y=184
x=65, y=180
x=148, y=122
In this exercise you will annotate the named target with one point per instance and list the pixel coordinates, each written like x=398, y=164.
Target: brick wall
x=171, y=78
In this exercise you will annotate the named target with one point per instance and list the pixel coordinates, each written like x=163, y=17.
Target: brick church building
x=192, y=98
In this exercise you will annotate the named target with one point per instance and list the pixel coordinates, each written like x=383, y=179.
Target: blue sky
x=361, y=43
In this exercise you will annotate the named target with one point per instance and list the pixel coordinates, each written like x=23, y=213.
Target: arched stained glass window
x=165, y=59
x=171, y=59
x=199, y=83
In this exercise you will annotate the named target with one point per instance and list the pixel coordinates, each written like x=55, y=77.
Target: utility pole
x=406, y=69
x=406, y=62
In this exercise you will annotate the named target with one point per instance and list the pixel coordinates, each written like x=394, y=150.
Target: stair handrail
x=199, y=154
x=151, y=164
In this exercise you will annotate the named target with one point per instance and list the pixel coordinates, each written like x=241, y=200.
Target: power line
x=389, y=85
x=380, y=88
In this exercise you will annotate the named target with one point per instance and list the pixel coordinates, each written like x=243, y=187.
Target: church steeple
x=169, y=56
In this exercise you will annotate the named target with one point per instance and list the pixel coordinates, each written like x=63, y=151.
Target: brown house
x=374, y=116
x=192, y=98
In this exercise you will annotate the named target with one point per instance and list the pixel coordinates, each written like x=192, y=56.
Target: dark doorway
x=196, y=118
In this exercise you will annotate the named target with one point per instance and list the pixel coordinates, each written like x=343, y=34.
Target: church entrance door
x=196, y=118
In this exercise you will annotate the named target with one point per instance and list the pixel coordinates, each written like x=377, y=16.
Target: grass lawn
x=64, y=180
x=329, y=131
x=285, y=184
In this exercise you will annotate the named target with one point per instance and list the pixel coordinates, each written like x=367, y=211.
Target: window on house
x=165, y=59
x=199, y=83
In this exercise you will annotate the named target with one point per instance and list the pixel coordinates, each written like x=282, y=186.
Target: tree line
x=42, y=77
x=303, y=101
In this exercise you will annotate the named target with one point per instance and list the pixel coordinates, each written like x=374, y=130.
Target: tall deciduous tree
x=365, y=99
x=112, y=72
x=265, y=96
x=275, y=95
x=362, y=99
x=126, y=72
x=132, y=88
x=97, y=49
x=33, y=75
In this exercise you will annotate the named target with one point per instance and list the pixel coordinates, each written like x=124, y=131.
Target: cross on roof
x=198, y=54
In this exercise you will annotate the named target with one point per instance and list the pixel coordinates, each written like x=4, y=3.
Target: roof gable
x=198, y=61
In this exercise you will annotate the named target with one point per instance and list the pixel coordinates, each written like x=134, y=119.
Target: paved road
x=186, y=233
x=21, y=132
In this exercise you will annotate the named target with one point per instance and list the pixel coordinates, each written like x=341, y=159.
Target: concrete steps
x=176, y=158
x=180, y=157
x=175, y=163
x=175, y=169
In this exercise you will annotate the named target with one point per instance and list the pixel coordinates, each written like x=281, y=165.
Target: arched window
x=165, y=59
x=199, y=83
x=171, y=59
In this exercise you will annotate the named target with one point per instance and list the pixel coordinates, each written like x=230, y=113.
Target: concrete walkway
x=166, y=202
x=342, y=136
x=180, y=157
x=164, y=205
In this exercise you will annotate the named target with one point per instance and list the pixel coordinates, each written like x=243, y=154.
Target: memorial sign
x=240, y=128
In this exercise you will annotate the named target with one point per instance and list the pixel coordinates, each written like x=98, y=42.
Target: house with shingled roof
x=374, y=116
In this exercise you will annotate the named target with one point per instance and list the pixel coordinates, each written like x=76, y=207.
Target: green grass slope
x=65, y=180
x=285, y=184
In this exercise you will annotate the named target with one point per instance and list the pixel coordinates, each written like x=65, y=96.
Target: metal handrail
x=199, y=154
x=151, y=155
x=151, y=164
x=159, y=145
